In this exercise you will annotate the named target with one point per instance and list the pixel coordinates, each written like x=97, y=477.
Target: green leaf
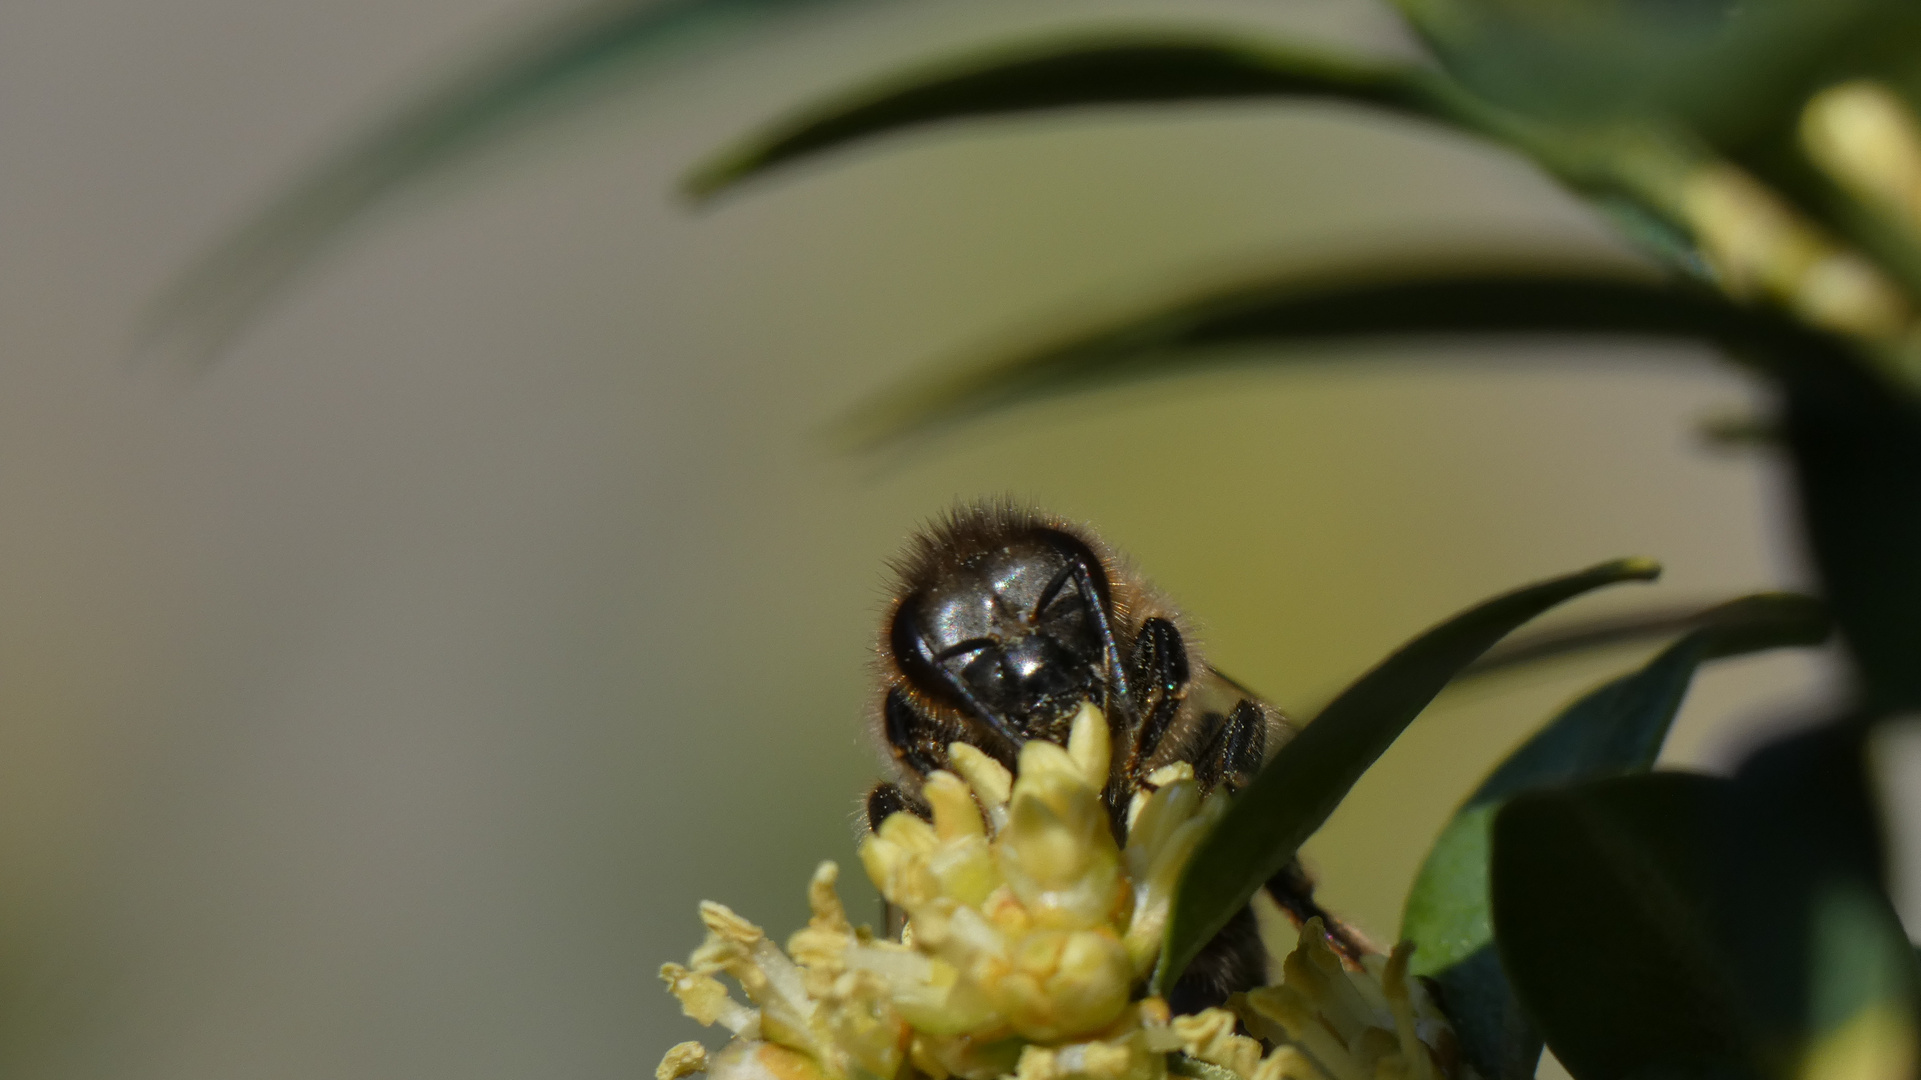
x=1615, y=729
x=1669, y=924
x=1604, y=906
x=1804, y=833
x=1723, y=68
x=545, y=68
x=1306, y=779
x=1856, y=446
x=1401, y=299
x=1033, y=76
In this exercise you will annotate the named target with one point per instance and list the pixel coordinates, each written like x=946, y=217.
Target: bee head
x=1015, y=633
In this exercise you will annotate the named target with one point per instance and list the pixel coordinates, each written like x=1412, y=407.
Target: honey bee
x=1004, y=621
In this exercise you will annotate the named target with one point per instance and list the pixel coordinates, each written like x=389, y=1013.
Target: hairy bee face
x=1007, y=620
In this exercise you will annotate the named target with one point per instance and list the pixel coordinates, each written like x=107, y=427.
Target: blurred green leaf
x=1615, y=729
x=1306, y=779
x=1604, y=906
x=1032, y=76
x=1401, y=299
x=229, y=284
x=1856, y=446
x=1670, y=924
x=1725, y=69
x=1860, y=1009
x=1804, y=832
x=1634, y=97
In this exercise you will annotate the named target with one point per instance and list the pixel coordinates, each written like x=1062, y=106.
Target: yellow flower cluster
x=1028, y=930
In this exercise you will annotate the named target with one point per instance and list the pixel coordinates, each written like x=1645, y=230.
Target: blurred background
x=380, y=701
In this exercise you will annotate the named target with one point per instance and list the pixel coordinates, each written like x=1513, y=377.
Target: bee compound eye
x=908, y=646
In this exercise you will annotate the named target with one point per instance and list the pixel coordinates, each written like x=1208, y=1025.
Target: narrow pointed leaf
x=1306, y=779
x=1033, y=76
x=1404, y=299
x=1618, y=728
x=220, y=292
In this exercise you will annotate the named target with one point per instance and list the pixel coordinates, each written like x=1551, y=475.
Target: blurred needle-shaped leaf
x=1033, y=76
x=1405, y=299
x=1309, y=776
x=227, y=285
x=1617, y=728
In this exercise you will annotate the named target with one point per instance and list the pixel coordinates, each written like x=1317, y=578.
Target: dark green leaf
x=229, y=284
x=1857, y=454
x=1615, y=729
x=1604, y=905
x=1032, y=76
x=1669, y=924
x=1306, y=779
x=1808, y=831
x=1371, y=303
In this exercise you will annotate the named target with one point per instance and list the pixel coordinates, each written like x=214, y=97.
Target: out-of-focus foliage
x=1617, y=728
x=1767, y=155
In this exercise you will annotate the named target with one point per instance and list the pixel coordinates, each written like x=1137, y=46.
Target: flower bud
x=1058, y=852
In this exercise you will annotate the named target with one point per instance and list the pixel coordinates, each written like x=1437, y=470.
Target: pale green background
x=380, y=703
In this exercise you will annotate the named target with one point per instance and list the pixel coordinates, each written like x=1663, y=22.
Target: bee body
x=1005, y=621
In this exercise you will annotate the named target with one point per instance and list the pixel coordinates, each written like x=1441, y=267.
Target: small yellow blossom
x=1355, y=1025
x=684, y=1059
x=1029, y=931
x=1210, y=1036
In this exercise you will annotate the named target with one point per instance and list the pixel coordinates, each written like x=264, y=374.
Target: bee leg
x=1160, y=679
x=1159, y=670
x=886, y=800
x=1293, y=890
x=1235, y=960
x=1244, y=746
x=918, y=741
x=1232, y=753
